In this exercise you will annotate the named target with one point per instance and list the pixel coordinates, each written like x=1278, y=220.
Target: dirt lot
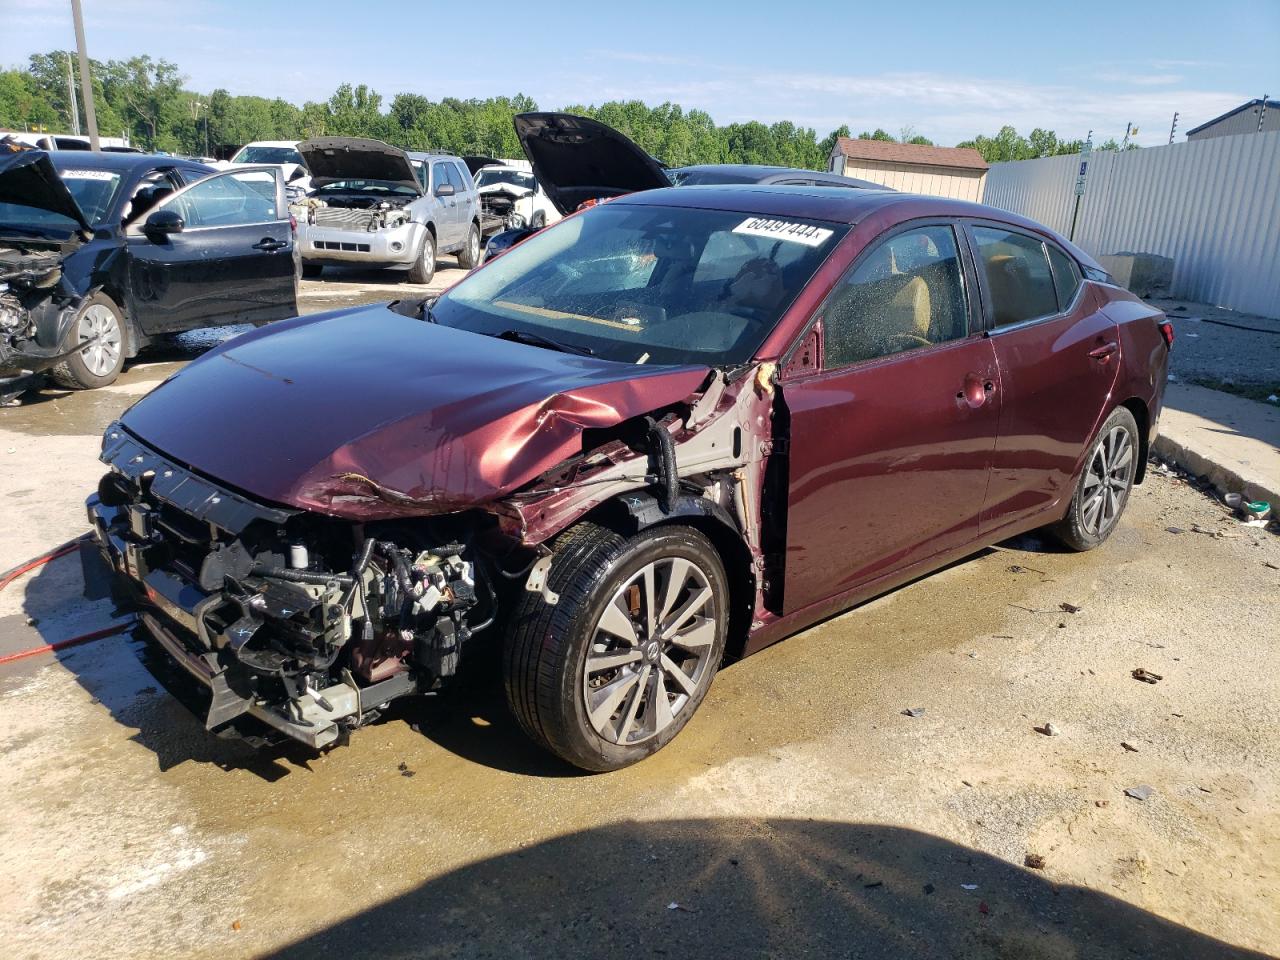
x=800, y=814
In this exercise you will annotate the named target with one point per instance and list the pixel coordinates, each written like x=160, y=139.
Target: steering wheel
x=910, y=339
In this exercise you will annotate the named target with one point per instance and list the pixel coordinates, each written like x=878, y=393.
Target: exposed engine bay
x=354, y=211
x=30, y=294
x=311, y=624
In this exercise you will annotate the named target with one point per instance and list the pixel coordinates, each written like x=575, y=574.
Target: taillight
x=1166, y=330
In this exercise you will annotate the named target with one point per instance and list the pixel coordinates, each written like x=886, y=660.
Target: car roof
x=117, y=162
x=763, y=173
x=838, y=204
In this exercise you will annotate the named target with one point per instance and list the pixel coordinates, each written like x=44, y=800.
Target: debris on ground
x=968, y=886
x=1129, y=747
x=680, y=906
x=1034, y=860
x=1102, y=803
x=1141, y=792
x=1174, y=530
x=929, y=888
x=1069, y=608
x=1145, y=675
x=235, y=925
x=1019, y=568
x=873, y=885
x=913, y=712
x=1048, y=730
x=405, y=771
x=983, y=908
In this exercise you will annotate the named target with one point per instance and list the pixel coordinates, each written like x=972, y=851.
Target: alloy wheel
x=650, y=651
x=1107, y=481
x=100, y=329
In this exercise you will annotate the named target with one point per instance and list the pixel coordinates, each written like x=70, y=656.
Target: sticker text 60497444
x=787, y=230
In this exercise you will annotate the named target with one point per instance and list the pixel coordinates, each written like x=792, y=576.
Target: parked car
x=671, y=428
x=278, y=153
x=375, y=204
x=100, y=252
x=723, y=173
x=515, y=197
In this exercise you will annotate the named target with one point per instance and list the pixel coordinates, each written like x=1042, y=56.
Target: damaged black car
x=102, y=252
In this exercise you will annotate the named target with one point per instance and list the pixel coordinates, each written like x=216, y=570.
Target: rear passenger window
x=1019, y=284
x=1066, y=276
x=464, y=180
x=907, y=293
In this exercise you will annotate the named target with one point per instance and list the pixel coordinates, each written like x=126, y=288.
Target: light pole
x=86, y=85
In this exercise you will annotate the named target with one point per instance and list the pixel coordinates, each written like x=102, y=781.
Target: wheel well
x=133, y=336
x=1143, y=417
x=728, y=544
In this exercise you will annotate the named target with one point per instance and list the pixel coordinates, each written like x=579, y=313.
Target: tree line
x=147, y=100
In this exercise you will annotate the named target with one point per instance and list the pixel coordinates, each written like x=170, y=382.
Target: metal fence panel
x=1213, y=206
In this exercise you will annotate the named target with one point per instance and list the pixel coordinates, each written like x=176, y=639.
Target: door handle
x=1104, y=351
x=270, y=245
x=977, y=390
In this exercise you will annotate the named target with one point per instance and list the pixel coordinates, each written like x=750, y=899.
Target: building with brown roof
x=913, y=168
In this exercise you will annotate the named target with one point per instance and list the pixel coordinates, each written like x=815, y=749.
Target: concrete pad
x=1233, y=442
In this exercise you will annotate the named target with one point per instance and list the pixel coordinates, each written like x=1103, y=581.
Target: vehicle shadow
x=754, y=888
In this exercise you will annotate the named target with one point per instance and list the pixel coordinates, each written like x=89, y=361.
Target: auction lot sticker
x=87, y=175
x=783, y=230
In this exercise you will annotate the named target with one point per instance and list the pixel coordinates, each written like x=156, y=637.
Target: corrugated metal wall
x=917, y=178
x=1211, y=205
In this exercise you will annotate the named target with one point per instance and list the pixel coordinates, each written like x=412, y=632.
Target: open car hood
x=28, y=179
x=475, y=162
x=578, y=159
x=331, y=159
x=368, y=413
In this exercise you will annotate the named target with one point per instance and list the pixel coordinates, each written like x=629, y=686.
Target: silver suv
x=377, y=205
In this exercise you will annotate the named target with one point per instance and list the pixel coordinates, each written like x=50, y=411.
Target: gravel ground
x=801, y=813
x=1224, y=349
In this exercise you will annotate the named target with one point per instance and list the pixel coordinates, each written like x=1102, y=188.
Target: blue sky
x=948, y=70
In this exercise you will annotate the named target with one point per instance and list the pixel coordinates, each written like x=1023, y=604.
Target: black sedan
x=100, y=252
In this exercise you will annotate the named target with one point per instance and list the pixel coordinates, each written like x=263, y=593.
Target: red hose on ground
x=69, y=547
x=63, y=644
x=11, y=575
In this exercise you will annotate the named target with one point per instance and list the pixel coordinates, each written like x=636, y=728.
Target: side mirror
x=444, y=190
x=162, y=223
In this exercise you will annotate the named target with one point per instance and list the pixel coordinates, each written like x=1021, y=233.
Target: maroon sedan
x=671, y=429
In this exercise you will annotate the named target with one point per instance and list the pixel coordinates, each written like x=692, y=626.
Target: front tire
x=613, y=671
x=424, y=268
x=469, y=255
x=100, y=324
x=1104, y=486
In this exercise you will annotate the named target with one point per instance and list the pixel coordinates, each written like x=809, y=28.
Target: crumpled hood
x=28, y=179
x=367, y=413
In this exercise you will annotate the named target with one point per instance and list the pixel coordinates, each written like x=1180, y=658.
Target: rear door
x=232, y=261
x=891, y=440
x=1059, y=356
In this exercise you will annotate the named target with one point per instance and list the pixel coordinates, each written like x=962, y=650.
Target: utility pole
x=1174, y=126
x=71, y=98
x=86, y=85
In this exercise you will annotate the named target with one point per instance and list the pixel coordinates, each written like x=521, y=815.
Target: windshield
x=488, y=176
x=93, y=191
x=252, y=154
x=647, y=284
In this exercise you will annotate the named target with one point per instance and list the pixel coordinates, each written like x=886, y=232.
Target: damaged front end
x=35, y=311
x=306, y=624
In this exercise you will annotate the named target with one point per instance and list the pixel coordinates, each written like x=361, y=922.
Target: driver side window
x=907, y=293
x=231, y=199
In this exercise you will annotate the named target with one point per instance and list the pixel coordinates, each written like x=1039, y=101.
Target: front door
x=1059, y=357
x=230, y=262
x=891, y=442
x=447, y=225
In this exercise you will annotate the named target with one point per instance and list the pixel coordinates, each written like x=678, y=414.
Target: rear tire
x=424, y=268
x=469, y=255
x=99, y=364
x=1105, y=482
x=613, y=671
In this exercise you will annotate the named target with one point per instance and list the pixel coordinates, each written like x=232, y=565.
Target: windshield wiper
x=538, y=340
